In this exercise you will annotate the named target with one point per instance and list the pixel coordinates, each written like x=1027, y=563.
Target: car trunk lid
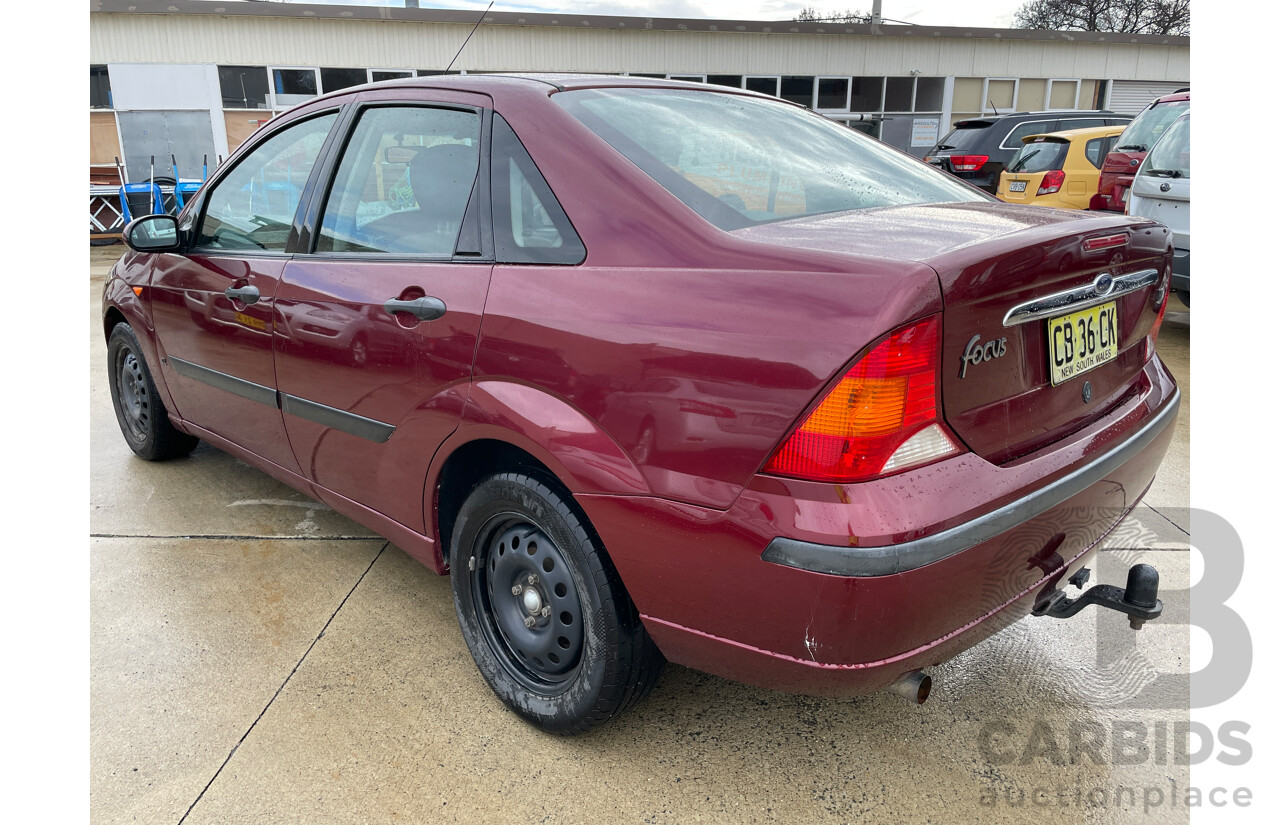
x=998, y=392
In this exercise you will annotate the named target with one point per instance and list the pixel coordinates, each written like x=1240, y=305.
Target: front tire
x=143, y=420
x=542, y=610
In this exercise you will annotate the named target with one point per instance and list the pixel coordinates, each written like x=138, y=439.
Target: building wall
x=146, y=38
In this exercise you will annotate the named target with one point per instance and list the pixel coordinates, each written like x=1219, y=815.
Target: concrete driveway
x=255, y=657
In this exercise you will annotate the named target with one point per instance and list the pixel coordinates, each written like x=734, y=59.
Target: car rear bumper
x=840, y=589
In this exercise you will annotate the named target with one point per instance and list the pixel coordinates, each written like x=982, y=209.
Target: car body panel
x=724, y=341
x=1167, y=199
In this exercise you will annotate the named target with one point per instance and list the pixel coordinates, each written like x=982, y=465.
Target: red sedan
x=660, y=371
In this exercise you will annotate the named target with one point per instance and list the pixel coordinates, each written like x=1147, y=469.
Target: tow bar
x=1138, y=599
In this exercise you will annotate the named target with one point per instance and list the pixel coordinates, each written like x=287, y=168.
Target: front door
x=213, y=307
x=377, y=324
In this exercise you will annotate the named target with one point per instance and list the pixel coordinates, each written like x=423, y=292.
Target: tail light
x=968, y=163
x=881, y=418
x=1052, y=182
x=1161, y=301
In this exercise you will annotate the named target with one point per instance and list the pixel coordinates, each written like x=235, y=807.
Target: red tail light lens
x=1052, y=182
x=968, y=163
x=881, y=418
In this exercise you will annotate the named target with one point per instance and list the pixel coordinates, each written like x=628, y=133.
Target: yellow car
x=1059, y=169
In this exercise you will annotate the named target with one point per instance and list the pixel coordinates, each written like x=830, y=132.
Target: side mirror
x=153, y=233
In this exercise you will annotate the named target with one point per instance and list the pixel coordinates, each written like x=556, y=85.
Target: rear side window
x=253, y=207
x=528, y=224
x=1031, y=127
x=1080, y=123
x=1095, y=151
x=404, y=182
x=1039, y=156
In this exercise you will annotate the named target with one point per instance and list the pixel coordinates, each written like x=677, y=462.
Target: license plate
x=1081, y=341
x=1017, y=186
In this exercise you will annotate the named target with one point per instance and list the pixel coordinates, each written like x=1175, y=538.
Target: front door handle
x=246, y=294
x=425, y=308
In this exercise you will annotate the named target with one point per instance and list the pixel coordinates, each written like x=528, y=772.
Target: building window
x=377, y=75
x=733, y=81
x=798, y=90
x=928, y=94
x=99, y=88
x=331, y=80
x=833, y=93
x=898, y=93
x=868, y=94
x=244, y=87
x=1063, y=94
x=292, y=86
x=763, y=85
x=690, y=78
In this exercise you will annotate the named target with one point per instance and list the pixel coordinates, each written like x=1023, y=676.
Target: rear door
x=379, y=313
x=213, y=306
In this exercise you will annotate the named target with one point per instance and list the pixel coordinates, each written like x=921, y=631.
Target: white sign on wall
x=924, y=131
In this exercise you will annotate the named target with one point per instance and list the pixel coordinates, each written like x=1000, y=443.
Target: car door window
x=529, y=225
x=1095, y=151
x=403, y=183
x=253, y=206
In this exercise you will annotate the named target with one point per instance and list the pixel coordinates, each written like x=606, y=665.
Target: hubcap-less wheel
x=532, y=613
x=135, y=401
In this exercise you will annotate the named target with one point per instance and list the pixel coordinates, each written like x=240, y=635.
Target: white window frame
x=848, y=91
x=688, y=77
x=1048, y=93
x=986, y=81
x=278, y=107
x=776, y=78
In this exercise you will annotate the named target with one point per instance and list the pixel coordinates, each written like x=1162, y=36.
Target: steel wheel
x=532, y=616
x=140, y=412
x=542, y=609
x=134, y=403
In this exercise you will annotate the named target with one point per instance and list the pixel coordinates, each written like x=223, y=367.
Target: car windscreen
x=1171, y=157
x=1040, y=155
x=1147, y=127
x=739, y=161
x=967, y=135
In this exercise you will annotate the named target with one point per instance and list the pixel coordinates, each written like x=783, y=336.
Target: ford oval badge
x=1103, y=284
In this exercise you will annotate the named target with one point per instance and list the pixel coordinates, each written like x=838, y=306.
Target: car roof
x=1068, y=135
x=992, y=119
x=1173, y=98
x=544, y=81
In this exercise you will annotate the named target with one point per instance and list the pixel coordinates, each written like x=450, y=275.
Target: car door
x=213, y=305
x=379, y=313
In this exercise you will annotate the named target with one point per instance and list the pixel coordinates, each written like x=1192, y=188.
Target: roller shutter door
x=1132, y=96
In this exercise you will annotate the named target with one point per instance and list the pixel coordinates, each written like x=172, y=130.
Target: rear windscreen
x=964, y=136
x=1146, y=129
x=1039, y=156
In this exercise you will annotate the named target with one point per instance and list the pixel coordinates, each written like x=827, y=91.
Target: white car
x=1162, y=191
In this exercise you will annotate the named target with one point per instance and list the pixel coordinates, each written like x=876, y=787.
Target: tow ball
x=1138, y=599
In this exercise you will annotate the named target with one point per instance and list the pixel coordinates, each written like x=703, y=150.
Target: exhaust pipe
x=914, y=687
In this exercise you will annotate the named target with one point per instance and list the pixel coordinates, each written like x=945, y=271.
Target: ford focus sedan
x=660, y=372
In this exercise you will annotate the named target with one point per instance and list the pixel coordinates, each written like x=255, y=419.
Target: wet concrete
x=258, y=658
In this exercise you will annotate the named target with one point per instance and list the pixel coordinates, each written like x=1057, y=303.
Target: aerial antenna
x=468, y=40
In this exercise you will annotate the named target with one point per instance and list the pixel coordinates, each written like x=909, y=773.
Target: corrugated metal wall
x=136, y=38
x=1131, y=97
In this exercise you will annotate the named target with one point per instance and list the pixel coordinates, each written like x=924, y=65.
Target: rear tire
x=542, y=610
x=143, y=420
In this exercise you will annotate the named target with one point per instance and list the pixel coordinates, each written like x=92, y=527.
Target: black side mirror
x=153, y=233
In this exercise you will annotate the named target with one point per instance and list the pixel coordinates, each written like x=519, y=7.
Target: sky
x=970, y=14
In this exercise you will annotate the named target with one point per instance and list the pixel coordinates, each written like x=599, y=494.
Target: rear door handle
x=246, y=294
x=425, y=308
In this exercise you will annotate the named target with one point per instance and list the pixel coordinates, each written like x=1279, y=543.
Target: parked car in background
x=671, y=372
x=1059, y=169
x=1120, y=165
x=1162, y=192
x=977, y=150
